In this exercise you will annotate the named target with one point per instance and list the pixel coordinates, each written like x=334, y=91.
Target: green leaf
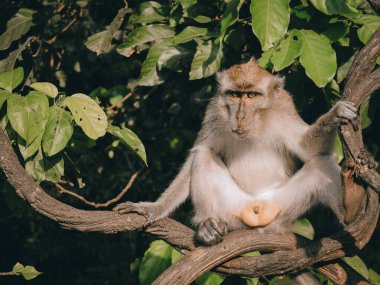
x=338, y=149
x=149, y=12
x=210, y=278
x=252, y=253
x=28, y=150
x=101, y=42
x=189, y=33
x=270, y=20
x=42, y=168
x=17, y=268
x=329, y=7
x=304, y=228
x=4, y=95
x=374, y=276
x=58, y=131
x=29, y=272
x=28, y=115
x=88, y=115
x=230, y=16
x=149, y=75
x=370, y=24
x=17, y=26
x=156, y=259
x=344, y=69
x=366, y=121
x=253, y=281
x=176, y=256
x=8, y=63
x=46, y=88
x=11, y=79
x=145, y=34
x=289, y=48
x=173, y=58
x=317, y=57
x=130, y=139
x=358, y=265
x=207, y=59
x=265, y=58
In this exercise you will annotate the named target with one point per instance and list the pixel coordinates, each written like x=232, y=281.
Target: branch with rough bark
x=289, y=253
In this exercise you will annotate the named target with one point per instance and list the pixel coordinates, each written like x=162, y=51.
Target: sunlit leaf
x=156, y=259
x=265, y=58
x=370, y=24
x=11, y=79
x=88, y=115
x=149, y=12
x=190, y=33
x=344, y=69
x=145, y=34
x=29, y=272
x=58, y=131
x=47, y=88
x=374, y=276
x=287, y=51
x=130, y=139
x=100, y=42
x=210, y=278
x=42, y=168
x=304, y=228
x=317, y=57
x=17, y=268
x=4, y=95
x=28, y=115
x=28, y=150
x=176, y=256
x=270, y=20
x=230, y=15
x=17, y=27
x=357, y=264
x=173, y=58
x=333, y=7
x=207, y=59
x=8, y=63
x=364, y=116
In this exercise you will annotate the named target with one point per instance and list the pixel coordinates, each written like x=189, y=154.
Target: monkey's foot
x=211, y=231
x=151, y=211
x=259, y=213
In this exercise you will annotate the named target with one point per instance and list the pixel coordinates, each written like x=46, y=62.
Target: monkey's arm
x=173, y=196
x=319, y=138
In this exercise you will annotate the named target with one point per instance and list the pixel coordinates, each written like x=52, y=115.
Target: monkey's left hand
x=211, y=231
x=152, y=211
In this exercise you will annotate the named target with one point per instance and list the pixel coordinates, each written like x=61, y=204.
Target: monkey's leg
x=259, y=213
x=215, y=197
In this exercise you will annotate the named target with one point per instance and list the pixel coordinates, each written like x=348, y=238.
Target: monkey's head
x=246, y=91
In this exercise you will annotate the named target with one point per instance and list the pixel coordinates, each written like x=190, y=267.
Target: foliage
x=145, y=71
x=28, y=272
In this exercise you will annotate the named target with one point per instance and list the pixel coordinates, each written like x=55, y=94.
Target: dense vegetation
x=79, y=80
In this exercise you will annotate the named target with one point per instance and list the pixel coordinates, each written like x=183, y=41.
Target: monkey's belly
x=252, y=175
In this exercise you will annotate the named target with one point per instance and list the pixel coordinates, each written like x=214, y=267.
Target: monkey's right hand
x=150, y=210
x=345, y=112
x=211, y=231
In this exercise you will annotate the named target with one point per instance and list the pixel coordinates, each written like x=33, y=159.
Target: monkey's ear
x=252, y=61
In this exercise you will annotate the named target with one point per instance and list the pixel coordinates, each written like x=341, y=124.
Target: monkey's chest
x=256, y=170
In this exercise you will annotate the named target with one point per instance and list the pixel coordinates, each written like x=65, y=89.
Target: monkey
x=255, y=162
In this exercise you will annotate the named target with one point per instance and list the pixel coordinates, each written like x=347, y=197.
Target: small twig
x=99, y=205
x=7, y=273
x=120, y=103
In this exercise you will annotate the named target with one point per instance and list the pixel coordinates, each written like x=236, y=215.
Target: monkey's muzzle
x=242, y=133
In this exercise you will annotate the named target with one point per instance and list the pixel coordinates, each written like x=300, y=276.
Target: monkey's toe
x=211, y=232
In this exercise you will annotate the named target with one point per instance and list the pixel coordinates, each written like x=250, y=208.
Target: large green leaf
x=358, y=265
x=28, y=150
x=330, y=7
x=270, y=20
x=230, y=16
x=145, y=34
x=289, y=48
x=11, y=79
x=130, y=139
x=4, y=95
x=42, y=168
x=101, y=42
x=304, y=228
x=45, y=87
x=173, y=58
x=17, y=27
x=88, y=115
x=156, y=259
x=189, y=33
x=28, y=115
x=317, y=57
x=149, y=12
x=210, y=278
x=8, y=63
x=370, y=24
x=265, y=58
x=148, y=74
x=207, y=59
x=58, y=131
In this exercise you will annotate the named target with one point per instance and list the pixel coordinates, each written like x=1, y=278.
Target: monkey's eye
x=233, y=94
x=251, y=94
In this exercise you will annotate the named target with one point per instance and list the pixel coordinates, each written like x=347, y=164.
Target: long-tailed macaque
x=255, y=162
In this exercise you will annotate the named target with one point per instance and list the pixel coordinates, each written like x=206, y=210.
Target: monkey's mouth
x=241, y=133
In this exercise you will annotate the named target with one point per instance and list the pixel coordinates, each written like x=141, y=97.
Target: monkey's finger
x=218, y=226
x=350, y=106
